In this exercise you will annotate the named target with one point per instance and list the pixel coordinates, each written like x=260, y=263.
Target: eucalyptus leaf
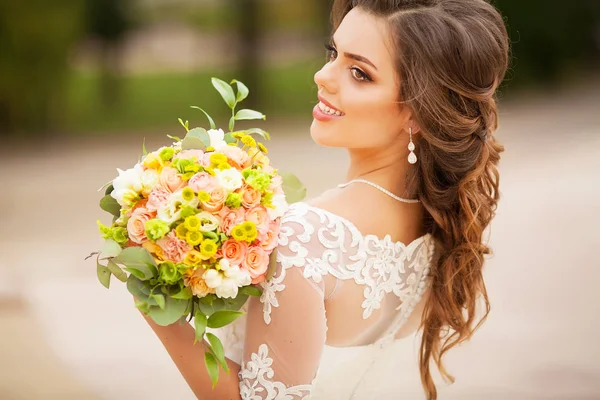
x=138, y=258
x=218, y=350
x=196, y=139
x=242, y=90
x=225, y=90
x=200, y=322
x=174, y=309
x=103, y=275
x=222, y=318
x=229, y=138
x=212, y=307
x=160, y=300
x=264, y=134
x=210, y=120
x=236, y=303
x=117, y=271
x=251, y=291
x=136, y=272
x=212, y=367
x=110, y=205
x=247, y=114
x=184, y=294
x=292, y=187
x=138, y=288
x=272, y=265
x=110, y=248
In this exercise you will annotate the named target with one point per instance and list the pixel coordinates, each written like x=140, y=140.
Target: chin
x=323, y=136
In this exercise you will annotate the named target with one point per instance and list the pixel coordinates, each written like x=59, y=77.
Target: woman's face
x=360, y=84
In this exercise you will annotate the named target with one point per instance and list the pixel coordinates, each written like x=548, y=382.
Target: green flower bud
x=156, y=229
x=169, y=273
x=119, y=235
x=234, y=200
x=166, y=154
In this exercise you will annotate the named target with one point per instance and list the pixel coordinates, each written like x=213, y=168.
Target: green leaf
x=212, y=367
x=103, y=274
x=160, y=300
x=225, y=90
x=242, y=90
x=272, y=265
x=110, y=248
x=251, y=291
x=211, y=235
x=236, y=303
x=249, y=114
x=197, y=138
x=210, y=120
x=185, y=124
x=264, y=134
x=110, y=205
x=229, y=138
x=117, y=271
x=218, y=350
x=200, y=322
x=231, y=123
x=109, y=189
x=176, y=138
x=184, y=294
x=210, y=305
x=174, y=309
x=138, y=288
x=138, y=260
x=294, y=189
x=144, y=151
x=221, y=318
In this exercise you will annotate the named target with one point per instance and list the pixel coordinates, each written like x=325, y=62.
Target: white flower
x=230, y=179
x=217, y=138
x=280, y=206
x=171, y=212
x=213, y=278
x=149, y=181
x=128, y=184
x=208, y=222
x=228, y=289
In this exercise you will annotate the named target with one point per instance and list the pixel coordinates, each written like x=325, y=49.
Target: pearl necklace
x=376, y=186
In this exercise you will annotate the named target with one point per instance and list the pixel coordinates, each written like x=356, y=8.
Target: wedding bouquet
x=195, y=225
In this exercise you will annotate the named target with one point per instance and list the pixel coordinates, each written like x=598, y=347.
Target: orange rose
x=250, y=197
x=217, y=199
x=171, y=180
x=193, y=278
x=234, y=251
x=271, y=237
x=260, y=217
x=256, y=263
x=230, y=218
x=136, y=224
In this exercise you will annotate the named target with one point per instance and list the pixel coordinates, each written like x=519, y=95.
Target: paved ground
x=63, y=336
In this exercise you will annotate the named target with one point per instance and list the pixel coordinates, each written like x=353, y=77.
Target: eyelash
x=362, y=76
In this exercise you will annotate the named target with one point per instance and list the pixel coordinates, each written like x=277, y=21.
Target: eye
x=331, y=52
x=359, y=75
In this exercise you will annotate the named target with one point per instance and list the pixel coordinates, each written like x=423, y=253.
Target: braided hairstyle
x=451, y=56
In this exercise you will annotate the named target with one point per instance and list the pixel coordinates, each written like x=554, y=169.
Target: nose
x=325, y=78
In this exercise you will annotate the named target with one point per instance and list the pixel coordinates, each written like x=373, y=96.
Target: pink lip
x=321, y=116
x=328, y=104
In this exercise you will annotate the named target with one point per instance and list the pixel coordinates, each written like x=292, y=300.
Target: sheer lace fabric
x=294, y=347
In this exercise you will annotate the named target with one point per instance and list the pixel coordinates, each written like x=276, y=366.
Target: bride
x=409, y=90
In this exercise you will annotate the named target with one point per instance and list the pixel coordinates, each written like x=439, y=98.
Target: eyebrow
x=356, y=57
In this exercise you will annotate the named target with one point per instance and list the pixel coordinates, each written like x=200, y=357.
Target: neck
x=379, y=166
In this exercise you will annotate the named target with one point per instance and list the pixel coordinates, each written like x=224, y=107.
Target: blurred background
x=84, y=82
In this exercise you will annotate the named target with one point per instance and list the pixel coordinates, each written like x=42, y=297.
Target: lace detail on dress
x=383, y=266
x=256, y=380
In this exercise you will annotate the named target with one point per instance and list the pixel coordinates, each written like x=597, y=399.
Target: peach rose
x=174, y=248
x=250, y=197
x=136, y=224
x=217, y=199
x=202, y=182
x=256, y=263
x=193, y=279
x=194, y=154
x=236, y=156
x=230, y=218
x=140, y=204
x=171, y=180
x=157, y=199
x=260, y=217
x=271, y=237
x=234, y=251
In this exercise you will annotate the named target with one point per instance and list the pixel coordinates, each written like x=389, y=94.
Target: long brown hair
x=451, y=57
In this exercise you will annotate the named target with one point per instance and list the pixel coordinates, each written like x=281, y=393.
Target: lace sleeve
x=283, y=347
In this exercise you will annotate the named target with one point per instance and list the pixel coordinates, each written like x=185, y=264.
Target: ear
x=412, y=124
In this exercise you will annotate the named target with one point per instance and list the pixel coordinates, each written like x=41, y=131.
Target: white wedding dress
x=298, y=342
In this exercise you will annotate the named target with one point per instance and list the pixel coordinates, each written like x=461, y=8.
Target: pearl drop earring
x=412, y=157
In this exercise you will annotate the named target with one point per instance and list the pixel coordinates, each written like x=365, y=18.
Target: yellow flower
x=188, y=194
x=153, y=161
x=223, y=166
x=193, y=238
x=250, y=231
x=218, y=158
x=262, y=148
x=258, y=156
x=181, y=231
x=208, y=248
x=192, y=223
x=209, y=149
x=193, y=258
x=156, y=251
x=249, y=141
x=203, y=196
x=238, y=233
